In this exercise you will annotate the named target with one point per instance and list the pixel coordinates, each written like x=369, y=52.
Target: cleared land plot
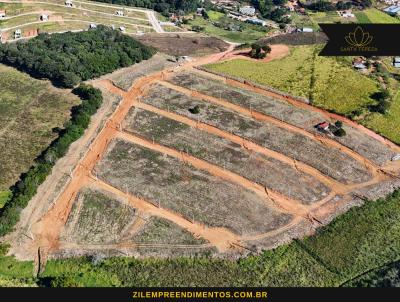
x=96, y=218
x=305, y=119
x=124, y=78
x=29, y=110
x=329, y=161
x=256, y=167
x=184, y=44
x=193, y=193
x=161, y=231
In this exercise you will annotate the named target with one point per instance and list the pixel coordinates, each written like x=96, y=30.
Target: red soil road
x=370, y=166
x=249, y=86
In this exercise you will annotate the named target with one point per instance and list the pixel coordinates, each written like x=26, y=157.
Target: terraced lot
x=192, y=163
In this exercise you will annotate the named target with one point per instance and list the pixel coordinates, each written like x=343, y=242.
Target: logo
x=359, y=38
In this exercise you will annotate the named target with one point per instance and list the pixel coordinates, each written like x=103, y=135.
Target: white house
x=44, y=17
x=2, y=13
x=92, y=26
x=122, y=28
x=247, y=10
x=396, y=62
x=119, y=13
x=17, y=34
x=306, y=30
x=68, y=3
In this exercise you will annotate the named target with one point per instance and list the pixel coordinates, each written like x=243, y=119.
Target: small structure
x=120, y=13
x=247, y=10
x=324, y=126
x=396, y=62
x=393, y=10
x=307, y=30
x=257, y=21
x=122, y=28
x=200, y=11
x=92, y=26
x=68, y=3
x=17, y=34
x=360, y=66
x=2, y=13
x=346, y=14
x=395, y=157
x=44, y=17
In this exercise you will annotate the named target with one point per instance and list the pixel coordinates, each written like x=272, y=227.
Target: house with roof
x=393, y=10
x=44, y=17
x=119, y=13
x=122, y=28
x=17, y=34
x=92, y=26
x=396, y=62
x=247, y=10
x=323, y=126
x=2, y=13
x=68, y=3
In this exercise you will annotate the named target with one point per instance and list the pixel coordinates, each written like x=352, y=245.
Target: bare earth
x=157, y=167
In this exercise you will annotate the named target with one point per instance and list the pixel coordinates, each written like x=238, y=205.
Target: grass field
x=249, y=33
x=29, y=110
x=305, y=74
x=4, y=195
x=374, y=15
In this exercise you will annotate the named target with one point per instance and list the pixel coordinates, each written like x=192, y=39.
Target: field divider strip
x=218, y=237
x=251, y=146
x=274, y=199
x=370, y=166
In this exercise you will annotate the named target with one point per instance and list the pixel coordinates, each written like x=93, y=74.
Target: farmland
x=30, y=110
x=374, y=15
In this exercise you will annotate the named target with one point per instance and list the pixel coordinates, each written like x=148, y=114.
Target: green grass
x=250, y=33
x=363, y=239
x=29, y=110
x=388, y=124
x=374, y=15
x=330, y=82
x=4, y=195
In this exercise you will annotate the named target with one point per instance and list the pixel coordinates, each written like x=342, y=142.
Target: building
x=346, y=14
x=17, y=34
x=68, y=3
x=305, y=30
x=200, y=11
x=2, y=13
x=324, y=126
x=119, y=13
x=359, y=66
x=393, y=10
x=92, y=26
x=396, y=62
x=44, y=17
x=396, y=157
x=257, y=21
x=122, y=28
x=247, y=10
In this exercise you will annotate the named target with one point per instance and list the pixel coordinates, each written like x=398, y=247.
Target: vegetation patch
x=69, y=58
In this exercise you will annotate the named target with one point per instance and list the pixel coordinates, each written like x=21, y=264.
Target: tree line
x=24, y=190
x=162, y=6
x=69, y=58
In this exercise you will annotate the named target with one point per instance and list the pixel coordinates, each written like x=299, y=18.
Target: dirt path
x=370, y=166
x=248, y=86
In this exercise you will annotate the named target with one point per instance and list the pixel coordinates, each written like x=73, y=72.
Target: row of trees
x=270, y=9
x=27, y=186
x=325, y=6
x=69, y=58
x=162, y=6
